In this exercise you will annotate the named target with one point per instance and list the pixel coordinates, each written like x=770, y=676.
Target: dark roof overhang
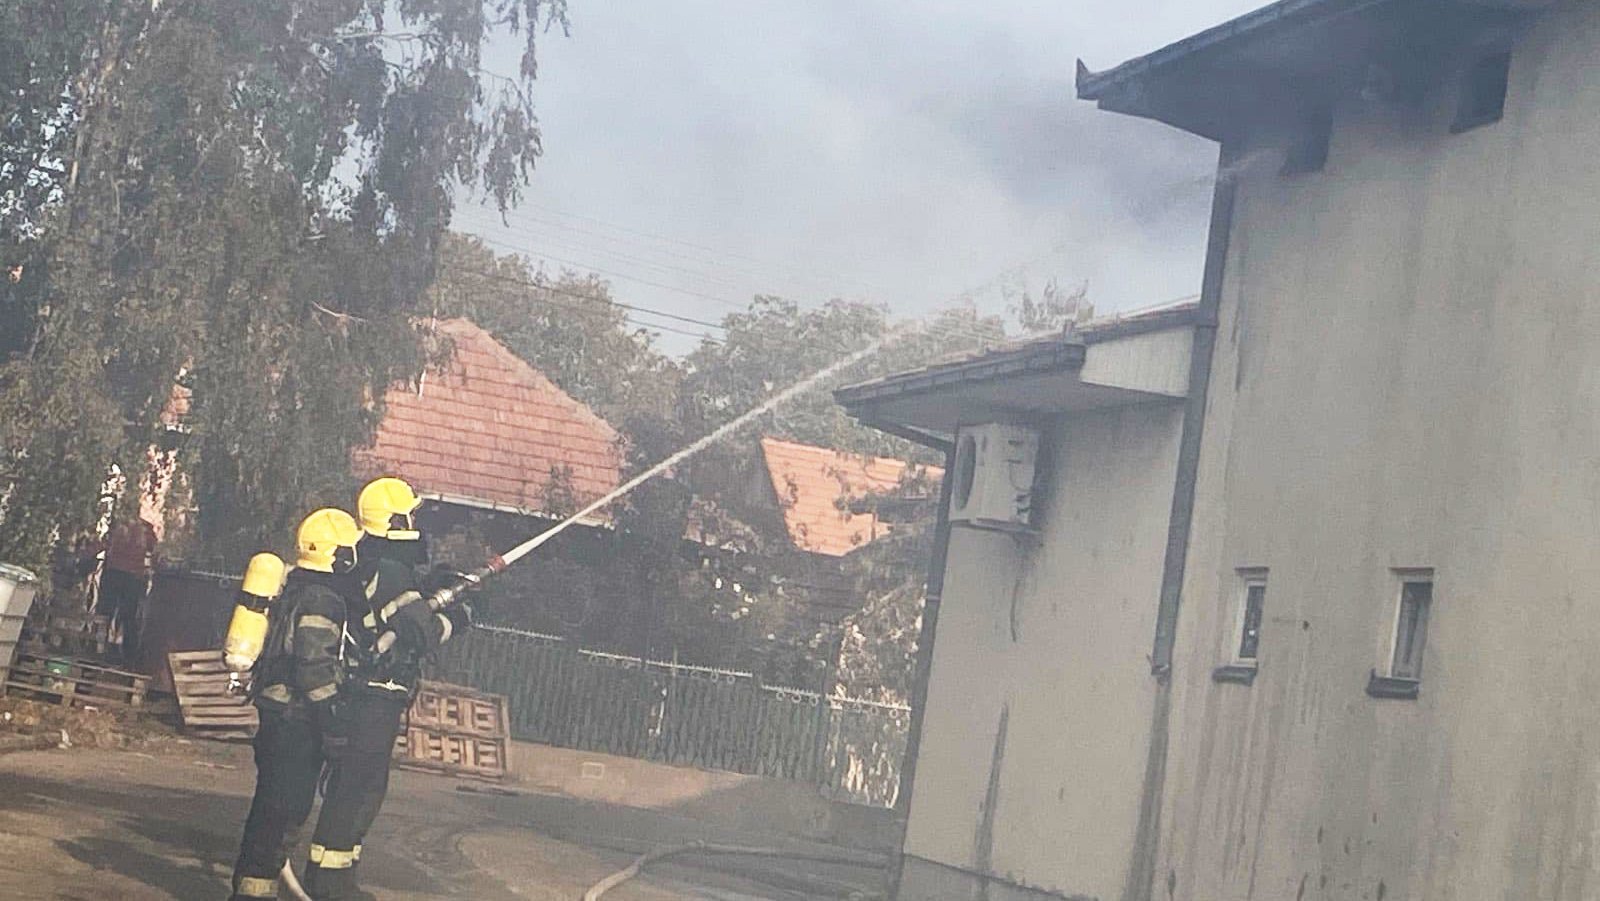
x=1023, y=380
x=1288, y=54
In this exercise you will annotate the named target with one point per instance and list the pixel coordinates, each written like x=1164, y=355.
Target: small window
x=1483, y=92
x=1251, y=602
x=1245, y=639
x=1309, y=153
x=1410, y=637
x=1411, y=627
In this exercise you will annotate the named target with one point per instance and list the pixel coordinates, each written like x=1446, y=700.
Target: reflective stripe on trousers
x=255, y=887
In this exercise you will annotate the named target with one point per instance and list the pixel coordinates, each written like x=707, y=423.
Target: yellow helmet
x=385, y=507
x=327, y=540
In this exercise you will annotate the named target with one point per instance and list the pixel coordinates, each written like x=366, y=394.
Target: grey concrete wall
x=1039, y=703
x=1407, y=375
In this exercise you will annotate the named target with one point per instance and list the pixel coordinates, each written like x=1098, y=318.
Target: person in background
x=125, y=580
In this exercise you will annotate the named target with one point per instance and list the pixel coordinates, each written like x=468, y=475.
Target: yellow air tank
x=247, y=632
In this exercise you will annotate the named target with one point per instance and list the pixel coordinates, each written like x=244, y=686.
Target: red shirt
x=130, y=546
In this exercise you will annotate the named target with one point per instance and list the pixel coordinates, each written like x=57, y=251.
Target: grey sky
x=883, y=149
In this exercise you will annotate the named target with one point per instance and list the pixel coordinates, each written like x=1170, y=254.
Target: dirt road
x=101, y=824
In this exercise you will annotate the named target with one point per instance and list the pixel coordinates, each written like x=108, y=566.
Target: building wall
x=1039, y=705
x=1407, y=375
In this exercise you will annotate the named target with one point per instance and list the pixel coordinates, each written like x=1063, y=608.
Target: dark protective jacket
x=397, y=603
x=303, y=663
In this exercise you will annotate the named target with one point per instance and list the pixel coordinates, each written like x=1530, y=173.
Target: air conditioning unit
x=993, y=486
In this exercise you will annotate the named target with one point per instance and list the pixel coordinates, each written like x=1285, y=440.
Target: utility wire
x=614, y=273
x=590, y=298
x=718, y=260
x=776, y=266
x=565, y=298
x=530, y=227
x=942, y=329
x=556, y=289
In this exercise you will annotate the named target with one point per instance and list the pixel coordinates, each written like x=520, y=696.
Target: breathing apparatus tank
x=247, y=632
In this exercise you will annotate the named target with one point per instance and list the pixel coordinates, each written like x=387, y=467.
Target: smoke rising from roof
x=862, y=149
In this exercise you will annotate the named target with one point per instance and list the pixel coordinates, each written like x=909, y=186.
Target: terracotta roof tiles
x=810, y=482
x=489, y=429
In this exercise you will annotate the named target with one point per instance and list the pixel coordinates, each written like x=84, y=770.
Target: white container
x=17, y=587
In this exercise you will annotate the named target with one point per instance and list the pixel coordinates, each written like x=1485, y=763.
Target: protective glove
x=410, y=626
x=460, y=616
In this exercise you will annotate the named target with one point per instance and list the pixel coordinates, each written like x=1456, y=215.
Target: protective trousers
x=357, y=783
x=288, y=755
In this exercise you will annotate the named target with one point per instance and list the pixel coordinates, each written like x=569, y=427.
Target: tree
x=1054, y=310
x=251, y=195
x=776, y=343
x=643, y=588
x=567, y=326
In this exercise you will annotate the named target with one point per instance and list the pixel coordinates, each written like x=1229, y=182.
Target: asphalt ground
x=96, y=824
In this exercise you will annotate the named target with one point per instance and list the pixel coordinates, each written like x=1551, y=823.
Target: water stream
x=799, y=388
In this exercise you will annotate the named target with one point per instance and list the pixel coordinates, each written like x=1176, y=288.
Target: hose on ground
x=633, y=870
x=288, y=878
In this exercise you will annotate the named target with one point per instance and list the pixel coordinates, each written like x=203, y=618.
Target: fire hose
x=635, y=869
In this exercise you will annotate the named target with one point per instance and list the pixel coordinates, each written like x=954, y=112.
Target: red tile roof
x=810, y=482
x=489, y=428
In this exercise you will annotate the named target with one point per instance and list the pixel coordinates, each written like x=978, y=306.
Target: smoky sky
x=917, y=154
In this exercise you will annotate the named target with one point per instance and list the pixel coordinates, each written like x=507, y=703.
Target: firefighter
x=396, y=631
x=299, y=695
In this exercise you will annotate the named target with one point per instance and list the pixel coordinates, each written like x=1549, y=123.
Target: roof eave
x=1211, y=83
x=1036, y=358
x=1064, y=354
x=1099, y=86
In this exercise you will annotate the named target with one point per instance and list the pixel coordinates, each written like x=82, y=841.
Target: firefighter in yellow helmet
x=300, y=688
x=395, y=555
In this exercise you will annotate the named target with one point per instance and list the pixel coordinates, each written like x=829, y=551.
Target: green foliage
x=567, y=327
x=776, y=343
x=757, y=607
x=251, y=194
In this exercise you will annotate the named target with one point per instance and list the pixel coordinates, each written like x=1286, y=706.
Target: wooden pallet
x=207, y=707
x=74, y=635
x=459, y=710
x=69, y=681
x=470, y=756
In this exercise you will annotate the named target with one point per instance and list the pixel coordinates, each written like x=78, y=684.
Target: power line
x=533, y=223
x=614, y=274
x=944, y=330
x=676, y=331
x=556, y=289
x=939, y=329
x=680, y=242
x=590, y=298
x=573, y=295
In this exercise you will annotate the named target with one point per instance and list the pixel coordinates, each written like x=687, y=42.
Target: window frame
x=1394, y=680
x=1239, y=668
x=1252, y=577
